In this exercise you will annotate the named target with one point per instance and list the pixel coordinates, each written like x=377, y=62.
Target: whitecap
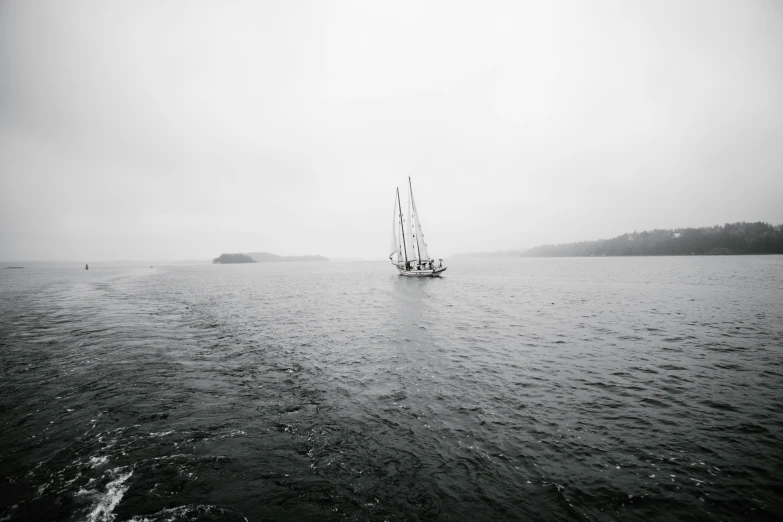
x=102, y=512
x=98, y=461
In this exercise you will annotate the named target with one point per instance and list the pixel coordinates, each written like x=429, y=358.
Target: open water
x=514, y=389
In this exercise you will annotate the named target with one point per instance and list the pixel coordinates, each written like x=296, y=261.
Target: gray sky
x=181, y=130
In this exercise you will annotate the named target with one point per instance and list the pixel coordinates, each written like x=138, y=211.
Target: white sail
x=409, y=241
x=420, y=244
x=418, y=237
x=394, y=247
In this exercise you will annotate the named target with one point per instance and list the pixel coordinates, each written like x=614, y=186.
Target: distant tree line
x=233, y=258
x=731, y=238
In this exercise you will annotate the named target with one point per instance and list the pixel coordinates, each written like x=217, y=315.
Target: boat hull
x=436, y=272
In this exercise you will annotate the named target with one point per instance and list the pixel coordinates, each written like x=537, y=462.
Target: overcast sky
x=181, y=130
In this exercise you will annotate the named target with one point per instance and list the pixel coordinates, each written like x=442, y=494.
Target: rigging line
x=413, y=205
x=402, y=229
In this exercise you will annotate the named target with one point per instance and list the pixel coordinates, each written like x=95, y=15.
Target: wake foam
x=105, y=502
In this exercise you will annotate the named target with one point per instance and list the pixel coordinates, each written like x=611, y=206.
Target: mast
x=409, y=210
x=413, y=205
x=402, y=229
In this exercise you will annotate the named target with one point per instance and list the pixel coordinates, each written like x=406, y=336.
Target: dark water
x=540, y=389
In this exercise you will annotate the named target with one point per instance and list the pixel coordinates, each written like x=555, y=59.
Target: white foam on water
x=102, y=512
x=98, y=461
x=177, y=513
x=172, y=456
x=10, y=513
x=160, y=433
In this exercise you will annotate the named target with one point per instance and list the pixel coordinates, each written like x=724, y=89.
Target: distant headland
x=263, y=257
x=728, y=239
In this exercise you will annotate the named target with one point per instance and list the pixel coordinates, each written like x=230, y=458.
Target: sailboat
x=407, y=242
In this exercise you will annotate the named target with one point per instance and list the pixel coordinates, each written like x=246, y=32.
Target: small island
x=233, y=258
x=264, y=257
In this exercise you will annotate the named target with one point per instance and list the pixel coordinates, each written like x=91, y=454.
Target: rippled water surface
x=538, y=389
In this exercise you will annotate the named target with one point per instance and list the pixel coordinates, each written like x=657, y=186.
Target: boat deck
x=433, y=272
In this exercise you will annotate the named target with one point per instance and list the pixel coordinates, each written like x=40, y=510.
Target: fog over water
x=180, y=130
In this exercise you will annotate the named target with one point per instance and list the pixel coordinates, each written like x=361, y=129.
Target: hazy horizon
x=334, y=259
x=180, y=131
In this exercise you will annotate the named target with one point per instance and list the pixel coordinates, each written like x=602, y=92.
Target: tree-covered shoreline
x=728, y=239
x=233, y=258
